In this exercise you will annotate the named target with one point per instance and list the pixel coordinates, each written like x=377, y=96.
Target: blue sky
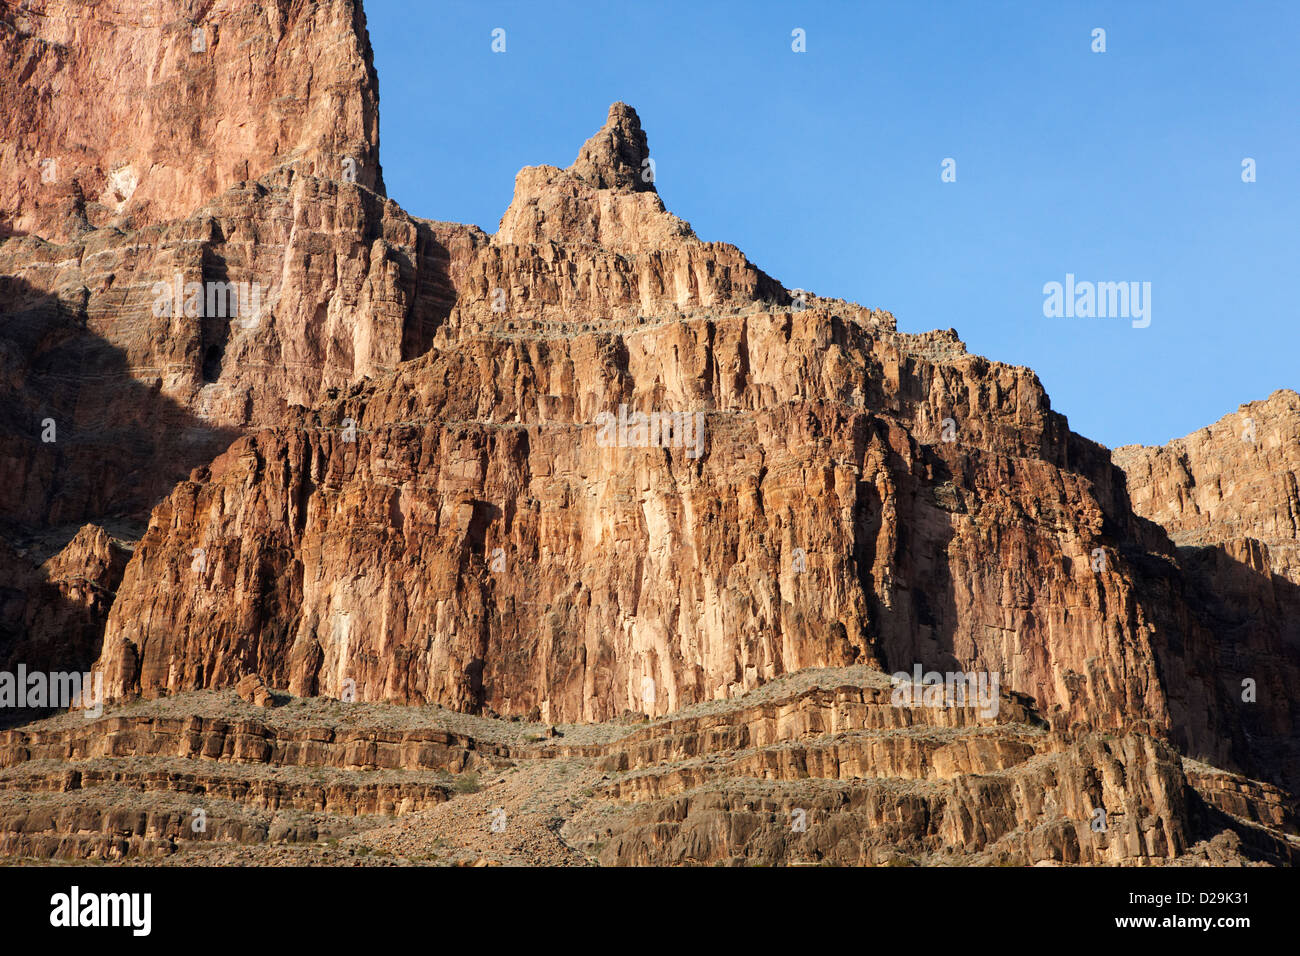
x=824, y=166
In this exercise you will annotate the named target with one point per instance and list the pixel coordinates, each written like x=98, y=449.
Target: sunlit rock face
x=587, y=465
x=527, y=517
x=132, y=113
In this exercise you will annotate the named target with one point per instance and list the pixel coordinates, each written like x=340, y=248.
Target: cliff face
x=333, y=284
x=481, y=529
x=128, y=114
x=248, y=263
x=1227, y=495
x=811, y=515
x=584, y=466
x=250, y=267
x=1235, y=484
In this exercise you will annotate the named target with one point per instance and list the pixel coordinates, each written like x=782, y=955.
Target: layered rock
x=1227, y=497
x=618, y=564
x=1024, y=812
x=247, y=260
x=822, y=767
x=857, y=494
x=106, y=338
x=584, y=467
x=1234, y=484
x=592, y=247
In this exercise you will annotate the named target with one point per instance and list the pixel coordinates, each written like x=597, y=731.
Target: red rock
x=406, y=476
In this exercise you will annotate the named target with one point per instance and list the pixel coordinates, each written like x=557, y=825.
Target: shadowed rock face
x=288, y=288
x=1227, y=495
x=308, y=279
x=1235, y=483
x=591, y=465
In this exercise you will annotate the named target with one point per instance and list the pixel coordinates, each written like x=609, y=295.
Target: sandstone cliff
x=587, y=466
x=1227, y=496
x=1235, y=483
x=857, y=494
x=129, y=114
x=118, y=378
x=816, y=768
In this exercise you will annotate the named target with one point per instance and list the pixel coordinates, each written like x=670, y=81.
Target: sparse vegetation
x=467, y=783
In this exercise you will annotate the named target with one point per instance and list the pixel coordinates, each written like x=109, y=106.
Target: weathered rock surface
x=857, y=494
x=116, y=378
x=253, y=689
x=349, y=287
x=128, y=114
x=1227, y=496
x=56, y=607
x=1235, y=483
x=822, y=767
x=401, y=470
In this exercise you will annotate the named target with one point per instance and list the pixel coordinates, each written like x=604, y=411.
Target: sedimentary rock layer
x=460, y=532
x=820, y=768
x=1235, y=484
x=261, y=428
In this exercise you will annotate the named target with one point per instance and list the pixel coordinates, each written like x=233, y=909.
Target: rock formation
x=1227, y=497
x=1234, y=484
x=129, y=114
x=586, y=466
x=816, y=768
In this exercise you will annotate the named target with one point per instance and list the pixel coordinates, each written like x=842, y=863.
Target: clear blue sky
x=824, y=166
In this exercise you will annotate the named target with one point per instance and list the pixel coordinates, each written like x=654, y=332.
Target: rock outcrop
x=261, y=429
x=1234, y=484
x=1227, y=496
x=238, y=279
x=819, y=768
x=833, y=491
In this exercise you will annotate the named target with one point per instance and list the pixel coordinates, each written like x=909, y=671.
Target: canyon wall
x=475, y=538
x=127, y=114
x=1235, y=483
x=585, y=466
x=1227, y=496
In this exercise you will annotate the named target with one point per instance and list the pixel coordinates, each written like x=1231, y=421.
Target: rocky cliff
x=254, y=265
x=1227, y=497
x=129, y=114
x=816, y=768
x=1234, y=484
x=585, y=466
x=464, y=532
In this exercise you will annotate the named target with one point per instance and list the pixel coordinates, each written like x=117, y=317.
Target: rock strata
x=264, y=433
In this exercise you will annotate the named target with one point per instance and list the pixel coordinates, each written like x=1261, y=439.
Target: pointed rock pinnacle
x=613, y=158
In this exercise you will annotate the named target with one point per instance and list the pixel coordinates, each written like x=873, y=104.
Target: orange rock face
x=480, y=536
x=1227, y=495
x=1235, y=483
x=128, y=114
x=586, y=466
